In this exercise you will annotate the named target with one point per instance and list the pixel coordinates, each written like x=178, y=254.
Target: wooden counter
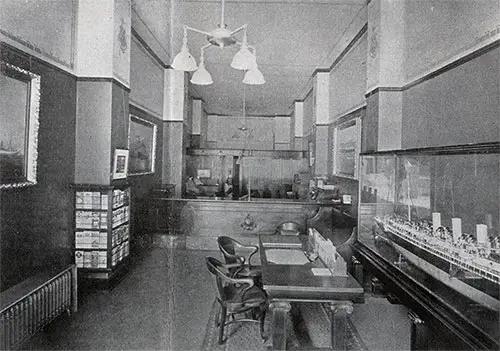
x=244, y=220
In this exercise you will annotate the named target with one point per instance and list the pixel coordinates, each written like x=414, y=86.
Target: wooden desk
x=285, y=283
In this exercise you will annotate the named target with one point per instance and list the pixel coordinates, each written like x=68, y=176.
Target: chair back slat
x=215, y=267
x=226, y=245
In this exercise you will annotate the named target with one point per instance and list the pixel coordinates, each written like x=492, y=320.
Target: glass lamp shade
x=244, y=59
x=254, y=77
x=201, y=76
x=184, y=61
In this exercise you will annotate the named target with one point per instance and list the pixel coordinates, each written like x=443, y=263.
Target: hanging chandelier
x=244, y=59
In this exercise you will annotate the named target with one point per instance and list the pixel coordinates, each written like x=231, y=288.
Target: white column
x=197, y=115
x=103, y=45
x=94, y=47
x=174, y=98
x=299, y=119
x=321, y=119
x=322, y=98
x=385, y=68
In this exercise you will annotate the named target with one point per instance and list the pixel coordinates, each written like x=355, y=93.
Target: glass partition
x=434, y=214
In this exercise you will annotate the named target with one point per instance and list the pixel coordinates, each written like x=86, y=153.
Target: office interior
x=101, y=135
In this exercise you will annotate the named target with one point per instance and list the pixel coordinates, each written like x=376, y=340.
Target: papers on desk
x=286, y=256
x=280, y=241
x=327, y=252
x=321, y=271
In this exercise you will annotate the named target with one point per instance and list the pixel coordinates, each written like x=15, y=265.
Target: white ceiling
x=293, y=38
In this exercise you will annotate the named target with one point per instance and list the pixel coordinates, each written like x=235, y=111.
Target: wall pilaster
x=385, y=69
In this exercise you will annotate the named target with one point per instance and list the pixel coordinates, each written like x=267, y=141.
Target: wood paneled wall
x=36, y=221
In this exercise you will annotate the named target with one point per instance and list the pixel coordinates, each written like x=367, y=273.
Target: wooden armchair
x=238, y=257
x=237, y=296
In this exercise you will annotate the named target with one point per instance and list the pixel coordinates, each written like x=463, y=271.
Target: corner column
x=174, y=130
x=321, y=120
x=197, y=122
x=298, y=125
x=103, y=78
x=386, y=45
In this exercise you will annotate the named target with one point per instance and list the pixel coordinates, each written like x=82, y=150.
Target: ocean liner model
x=433, y=213
x=462, y=262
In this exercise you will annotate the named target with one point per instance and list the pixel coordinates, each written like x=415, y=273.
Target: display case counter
x=428, y=226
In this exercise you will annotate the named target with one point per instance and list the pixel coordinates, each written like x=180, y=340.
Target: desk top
x=296, y=281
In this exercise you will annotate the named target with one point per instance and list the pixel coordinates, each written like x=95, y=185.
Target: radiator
x=41, y=300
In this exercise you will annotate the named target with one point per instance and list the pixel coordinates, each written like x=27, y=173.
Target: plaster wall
x=348, y=81
x=437, y=31
x=25, y=25
x=146, y=80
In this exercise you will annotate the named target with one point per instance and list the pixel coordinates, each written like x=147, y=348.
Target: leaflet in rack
x=119, y=252
x=91, y=239
x=91, y=259
x=85, y=219
x=91, y=200
x=120, y=197
x=120, y=216
x=119, y=235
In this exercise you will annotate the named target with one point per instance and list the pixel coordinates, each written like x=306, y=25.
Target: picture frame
x=142, y=146
x=203, y=173
x=346, y=148
x=19, y=114
x=120, y=164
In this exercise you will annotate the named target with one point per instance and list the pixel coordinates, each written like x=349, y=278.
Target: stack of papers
x=281, y=241
x=321, y=271
x=286, y=257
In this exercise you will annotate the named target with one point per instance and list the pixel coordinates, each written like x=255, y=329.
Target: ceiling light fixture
x=244, y=59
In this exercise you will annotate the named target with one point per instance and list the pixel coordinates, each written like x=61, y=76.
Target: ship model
x=469, y=264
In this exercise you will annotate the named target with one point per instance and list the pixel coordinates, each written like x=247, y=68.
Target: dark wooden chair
x=237, y=296
x=238, y=257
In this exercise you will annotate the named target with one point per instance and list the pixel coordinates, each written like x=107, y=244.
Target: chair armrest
x=239, y=281
x=254, y=249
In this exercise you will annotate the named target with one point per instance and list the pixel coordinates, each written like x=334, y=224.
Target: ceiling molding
x=349, y=46
x=145, y=35
x=149, y=50
x=300, y=2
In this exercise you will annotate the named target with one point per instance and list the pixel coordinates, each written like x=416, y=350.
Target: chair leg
x=222, y=324
x=217, y=318
x=262, y=319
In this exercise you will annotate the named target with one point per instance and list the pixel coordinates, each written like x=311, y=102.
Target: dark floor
x=164, y=302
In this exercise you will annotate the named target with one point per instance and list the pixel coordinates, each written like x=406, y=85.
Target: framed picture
x=120, y=164
x=142, y=146
x=19, y=109
x=346, y=148
x=203, y=173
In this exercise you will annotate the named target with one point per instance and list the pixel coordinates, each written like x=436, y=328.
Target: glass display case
x=434, y=214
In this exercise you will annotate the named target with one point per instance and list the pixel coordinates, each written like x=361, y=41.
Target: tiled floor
x=164, y=303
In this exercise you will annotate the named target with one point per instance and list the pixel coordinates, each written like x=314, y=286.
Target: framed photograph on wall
x=203, y=173
x=142, y=146
x=120, y=164
x=19, y=109
x=346, y=148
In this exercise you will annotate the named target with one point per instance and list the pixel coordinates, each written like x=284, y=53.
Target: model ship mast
x=408, y=197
